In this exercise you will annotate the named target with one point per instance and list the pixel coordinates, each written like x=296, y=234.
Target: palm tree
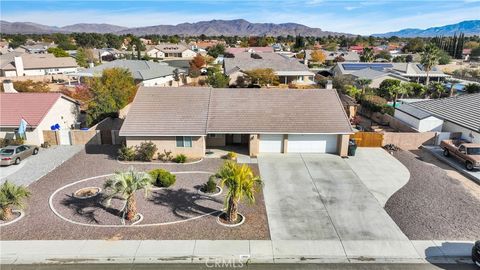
x=436, y=90
x=363, y=83
x=11, y=196
x=367, y=55
x=241, y=183
x=126, y=184
x=452, y=86
x=395, y=90
x=430, y=57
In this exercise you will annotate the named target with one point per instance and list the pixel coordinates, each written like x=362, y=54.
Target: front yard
x=434, y=204
x=177, y=212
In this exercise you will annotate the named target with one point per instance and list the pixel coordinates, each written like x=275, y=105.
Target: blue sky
x=357, y=17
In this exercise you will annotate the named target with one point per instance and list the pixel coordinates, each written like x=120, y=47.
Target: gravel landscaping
x=177, y=203
x=432, y=205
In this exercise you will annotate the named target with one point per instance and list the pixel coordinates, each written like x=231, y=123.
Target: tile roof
x=463, y=110
x=277, y=62
x=330, y=55
x=199, y=111
x=234, y=50
x=140, y=69
x=31, y=106
x=39, y=61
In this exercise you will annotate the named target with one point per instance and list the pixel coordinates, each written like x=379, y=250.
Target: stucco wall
x=422, y=125
x=82, y=137
x=63, y=112
x=466, y=133
x=409, y=140
x=342, y=144
x=254, y=145
x=169, y=143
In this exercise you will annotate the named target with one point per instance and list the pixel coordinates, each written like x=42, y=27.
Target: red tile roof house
x=191, y=120
x=39, y=110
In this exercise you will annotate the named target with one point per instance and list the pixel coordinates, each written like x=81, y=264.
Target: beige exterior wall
x=409, y=140
x=82, y=137
x=343, y=144
x=285, y=143
x=217, y=141
x=254, y=144
x=169, y=143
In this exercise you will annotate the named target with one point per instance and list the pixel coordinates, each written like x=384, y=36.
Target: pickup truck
x=467, y=153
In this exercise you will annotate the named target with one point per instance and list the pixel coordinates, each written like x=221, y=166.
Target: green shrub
x=181, y=158
x=126, y=153
x=211, y=185
x=373, y=103
x=7, y=142
x=162, y=178
x=145, y=151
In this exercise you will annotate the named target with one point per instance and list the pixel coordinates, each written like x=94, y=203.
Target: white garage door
x=271, y=143
x=312, y=143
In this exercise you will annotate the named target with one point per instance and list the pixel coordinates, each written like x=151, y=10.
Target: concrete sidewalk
x=210, y=251
x=437, y=151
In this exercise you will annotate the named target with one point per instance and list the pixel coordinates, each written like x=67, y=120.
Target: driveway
x=320, y=197
x=35, y=167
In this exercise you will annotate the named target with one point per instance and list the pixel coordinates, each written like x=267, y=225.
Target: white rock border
x=99, y=190
x=22, y=215
x=52, y=207
x=230, y=225
x=211, y=194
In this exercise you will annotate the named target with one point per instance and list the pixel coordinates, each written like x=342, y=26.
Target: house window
x=184, y=141
x=300, y=78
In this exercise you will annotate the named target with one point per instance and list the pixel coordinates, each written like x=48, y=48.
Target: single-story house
x=146, y=73
x=457, y=114
x=41, y=111
x=348, y=56
x=39, y=47
x=376, y=77
x=17, y=65
x=167, y=50
x=191, y=120
x=108, y=54
x=236, y=50
x=288, y=70
x=412, y=71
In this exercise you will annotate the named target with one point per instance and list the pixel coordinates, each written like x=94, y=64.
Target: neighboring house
x=40, y=47
x=288, y=70
x=350, y=105
x=16, y=65
x=237, y=50
x=452, y=114
x=412, y=71
x=107, y=54
x=377, y=77
x=205, y=44
x=191, y=120
x=39, y=110
x=330, y=56
x=170, y=51
x=146, y=73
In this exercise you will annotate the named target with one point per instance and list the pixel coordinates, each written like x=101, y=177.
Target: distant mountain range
x=215, y=27
x=469, y=28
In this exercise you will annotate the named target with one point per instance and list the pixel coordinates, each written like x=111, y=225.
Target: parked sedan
x=14, y=154
x=476, y=253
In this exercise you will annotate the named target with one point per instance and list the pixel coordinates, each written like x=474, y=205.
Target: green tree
x=363, y=83
x=262, y=76
x=110, y=93
x=414, y=45
x=57, y=52
x=395, y=90
x=216, y=50
x=472, y=88
x=126, y=184
x=81, y=58
x=367, y=55
x=11, y=196
x=353, y=91
x=241, y=183
x=384, y=54
x=444, y=58
x=385, y=86
x=429, y=59
x=218, y=80
x=436, y=90
x=341, y=81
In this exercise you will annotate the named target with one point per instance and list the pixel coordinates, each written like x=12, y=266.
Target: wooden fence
x=368, y=139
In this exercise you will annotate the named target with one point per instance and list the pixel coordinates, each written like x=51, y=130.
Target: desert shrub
x=231, y=156
x=165, y=156
x=145, y=151
x=211, y=185
x=373, y=103
x=162, y=178
x=7, y=142
x=126, y=153
x=181, y=158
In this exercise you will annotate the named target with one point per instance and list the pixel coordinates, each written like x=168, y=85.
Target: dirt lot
x=40, y=221
x=437, y=202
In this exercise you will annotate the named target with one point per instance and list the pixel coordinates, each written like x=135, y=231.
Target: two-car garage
x=298, y=143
